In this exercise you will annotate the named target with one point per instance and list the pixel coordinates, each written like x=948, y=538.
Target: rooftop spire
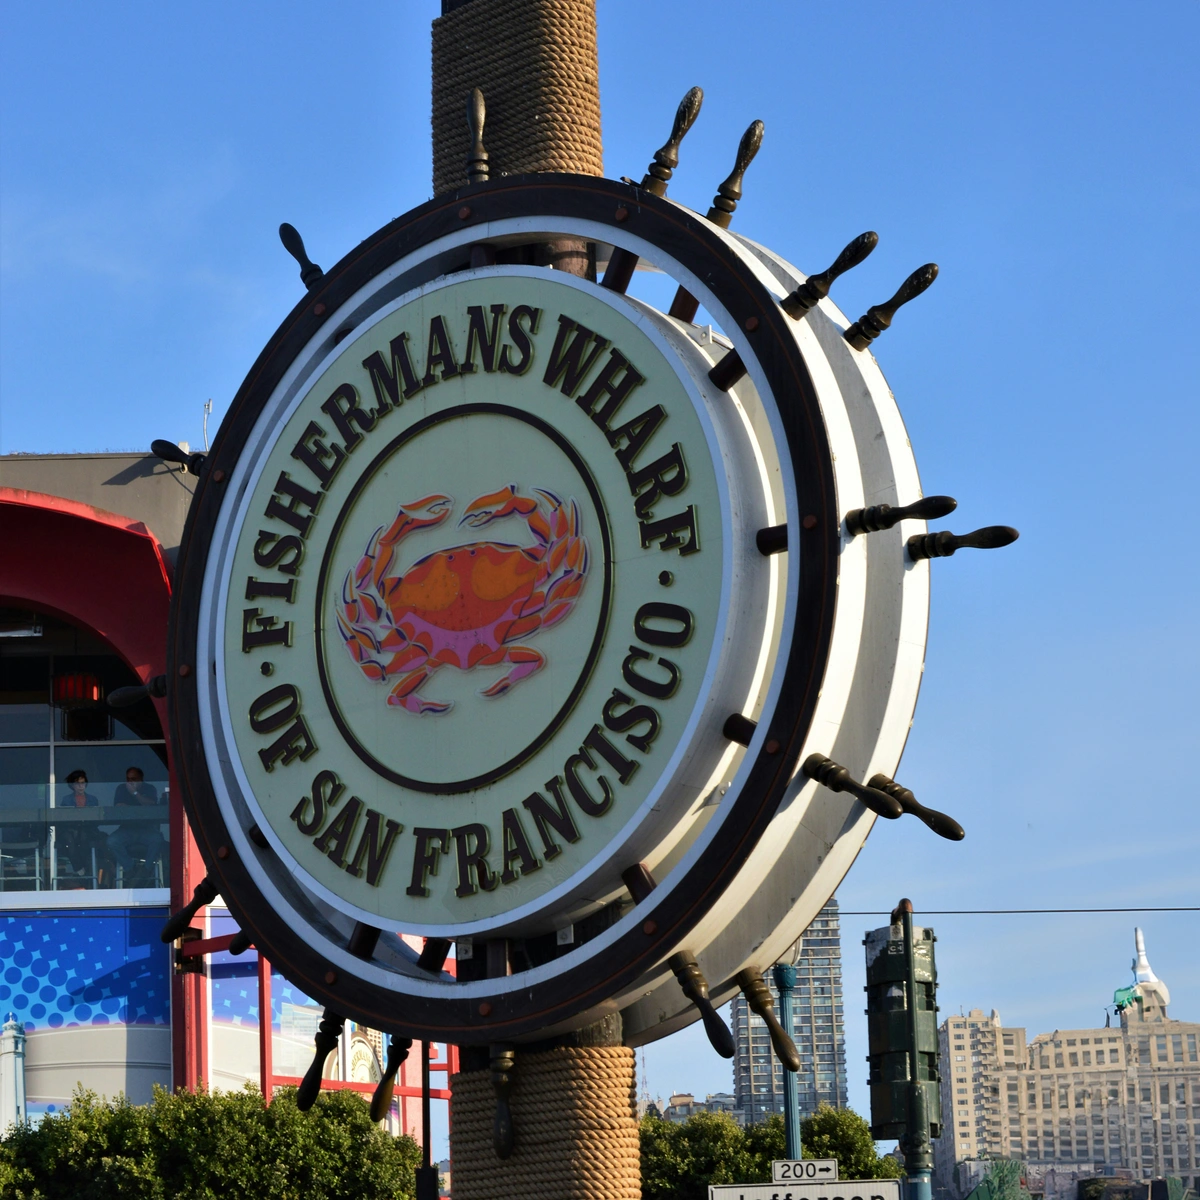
x=1143, y=972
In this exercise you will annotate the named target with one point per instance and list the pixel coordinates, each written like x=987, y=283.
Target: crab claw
x=497, y=504
x=432, y=508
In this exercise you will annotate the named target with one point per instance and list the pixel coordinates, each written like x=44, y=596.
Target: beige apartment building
x=1075, y=1102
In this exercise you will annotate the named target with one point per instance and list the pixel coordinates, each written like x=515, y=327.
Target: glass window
x=24, y=699
x=108, y=828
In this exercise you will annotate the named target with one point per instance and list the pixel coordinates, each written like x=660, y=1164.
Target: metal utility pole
x=427, y=1173
x=902, y=1037
x=918, y=1151
x=785, y=982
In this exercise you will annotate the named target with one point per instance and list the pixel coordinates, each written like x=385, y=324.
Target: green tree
x=765, y=1142
x=1004, y=1175
x=842, y=1134
x=680, y=1159
x=201, y=1146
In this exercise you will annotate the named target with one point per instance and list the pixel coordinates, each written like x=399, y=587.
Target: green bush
x=680, y=1159
x=842, y=1134
x=205, y=1146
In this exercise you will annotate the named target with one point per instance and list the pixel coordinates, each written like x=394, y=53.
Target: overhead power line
x=1006, y=912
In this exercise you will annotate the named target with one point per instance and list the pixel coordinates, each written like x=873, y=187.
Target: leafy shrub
x=842, y=1134
x=680, y=1159
x=205, y=1146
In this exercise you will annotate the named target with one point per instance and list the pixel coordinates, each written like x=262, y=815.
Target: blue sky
x=1044, y=155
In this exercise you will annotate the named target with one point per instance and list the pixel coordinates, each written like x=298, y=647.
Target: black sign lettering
x=624, y=767
x=335, y=841
x=478, y=336
x=322, y=460
x=652, y=482
x=288, y=510
x=579, y=793
x=385, y=382
x=517, y=850
x=431, y=845
x=266, y=717
x=472, y=843
x=653, y=688
x=567, y=360
x=635, y=434
x=345, y=412
x=295, y=742
x=270, y=548
x=555, y=816
x=520, y=339
x=440, y=353
x=258, y=630
x=652, y=635
x=635, y=715
x=273, y=710
x=256, y=589
x=327, y=790
x=374, y=846
x=607, y=384
x=669, y=530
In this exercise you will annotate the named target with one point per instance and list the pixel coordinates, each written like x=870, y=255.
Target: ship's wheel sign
x=511, y=610
x=474, y=603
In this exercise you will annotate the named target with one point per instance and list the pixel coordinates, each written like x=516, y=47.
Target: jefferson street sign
x=851, y=1189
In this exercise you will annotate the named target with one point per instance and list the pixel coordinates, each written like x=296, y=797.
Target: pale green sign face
x=475, y=593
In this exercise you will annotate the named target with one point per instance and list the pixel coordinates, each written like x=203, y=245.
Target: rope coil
x=535, y=62
x=575, y=1116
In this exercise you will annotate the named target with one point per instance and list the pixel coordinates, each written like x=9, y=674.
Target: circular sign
x=498, y=622
x=474, y=608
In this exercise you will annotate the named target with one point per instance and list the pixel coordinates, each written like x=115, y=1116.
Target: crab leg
x=404, y=694
x=525, y=661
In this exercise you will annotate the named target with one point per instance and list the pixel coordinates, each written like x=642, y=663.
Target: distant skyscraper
x=816, y=1028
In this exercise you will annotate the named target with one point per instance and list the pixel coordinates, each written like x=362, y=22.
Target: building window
x=54, y=723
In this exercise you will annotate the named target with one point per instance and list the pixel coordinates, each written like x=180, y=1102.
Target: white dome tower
x=1150, y=990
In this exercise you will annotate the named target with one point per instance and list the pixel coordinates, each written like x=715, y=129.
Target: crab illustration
x=468, y=606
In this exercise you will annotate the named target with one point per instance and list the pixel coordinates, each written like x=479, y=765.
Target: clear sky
x=1043, y=155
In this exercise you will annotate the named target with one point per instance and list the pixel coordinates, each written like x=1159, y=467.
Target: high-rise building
x=817, y=1028
x=1075, y=1102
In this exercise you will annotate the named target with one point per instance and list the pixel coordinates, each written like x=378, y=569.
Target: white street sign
x=792, y=1170
x=850, y=1189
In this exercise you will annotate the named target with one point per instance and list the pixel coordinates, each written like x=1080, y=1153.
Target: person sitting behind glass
x=76, y=841
x=133, y=841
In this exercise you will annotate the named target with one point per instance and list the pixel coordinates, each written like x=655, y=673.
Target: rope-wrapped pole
x=535, y=63
x=574, y=1112
x=555, y=1122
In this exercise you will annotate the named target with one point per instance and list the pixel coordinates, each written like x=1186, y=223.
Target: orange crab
x=469, y=606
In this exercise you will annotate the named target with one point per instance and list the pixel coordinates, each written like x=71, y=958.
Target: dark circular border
x=506, y=768
x=666, y=916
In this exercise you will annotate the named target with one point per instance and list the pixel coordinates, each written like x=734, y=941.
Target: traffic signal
x=893, y=974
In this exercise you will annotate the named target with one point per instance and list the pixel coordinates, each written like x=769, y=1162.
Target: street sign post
x=850, y=1189
x=791, y=1170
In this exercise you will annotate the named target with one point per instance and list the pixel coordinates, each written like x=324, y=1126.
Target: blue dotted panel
x=85, y=967
x=233, y=982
